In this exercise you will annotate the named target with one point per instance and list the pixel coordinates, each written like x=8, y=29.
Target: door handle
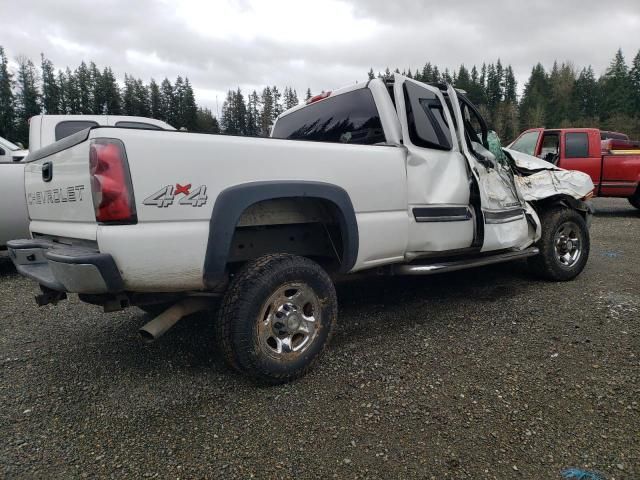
x=47, y=171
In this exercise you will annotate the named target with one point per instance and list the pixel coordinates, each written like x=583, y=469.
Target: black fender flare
x=233, y=201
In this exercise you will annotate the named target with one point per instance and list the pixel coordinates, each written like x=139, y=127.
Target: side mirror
x=20, y=144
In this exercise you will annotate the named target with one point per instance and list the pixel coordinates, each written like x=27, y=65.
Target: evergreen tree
x=27, y=99
x=510, y=86
x=206, y=122
x=616, y=88
x=534, y=99
x=155, y=100
x=253, y=115
x=167, y=102
x=7, y=101
x=50, y=88
x=110, y=93
x=128, y=96
x=177, y=103
x=634, y=77
x=584, y=99
x=463, y=79
x=371, y=75
x=277, y=103
x=266, y=116
x=84, y=89
x=234, y=114
x=494, y=88
x=98, y=96
x=62, y=84
x=71, y=92
x=188, y=107
x=307, y=95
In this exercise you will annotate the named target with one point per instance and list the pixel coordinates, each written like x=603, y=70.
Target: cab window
x=346, y=118
x=526, y=143
x=69, y=127
x=576, y=145
x=426, y=118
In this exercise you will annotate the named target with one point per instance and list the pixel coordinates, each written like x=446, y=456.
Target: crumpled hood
x=529, y=162
x=543, y=179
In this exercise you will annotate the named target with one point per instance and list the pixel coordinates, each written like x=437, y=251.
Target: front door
x=505, y=223
x=438, y=190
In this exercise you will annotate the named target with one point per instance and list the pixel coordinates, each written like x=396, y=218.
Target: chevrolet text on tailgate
x=397, y=177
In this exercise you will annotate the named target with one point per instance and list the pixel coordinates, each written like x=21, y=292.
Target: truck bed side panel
x=620, y=175
x=173, y=237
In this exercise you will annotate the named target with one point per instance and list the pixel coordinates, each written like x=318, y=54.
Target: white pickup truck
x=395, y=177
x=45, y=130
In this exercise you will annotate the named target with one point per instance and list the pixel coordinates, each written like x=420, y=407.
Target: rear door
x=438, y=187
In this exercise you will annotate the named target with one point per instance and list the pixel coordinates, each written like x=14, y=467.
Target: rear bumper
x=64, y=268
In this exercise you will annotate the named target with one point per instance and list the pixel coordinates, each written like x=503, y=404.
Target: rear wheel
x=277, y=317
x=635, y=200
x=564, y=245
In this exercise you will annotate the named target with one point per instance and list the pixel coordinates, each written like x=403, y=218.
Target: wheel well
x=309, y=227
x=562, y=201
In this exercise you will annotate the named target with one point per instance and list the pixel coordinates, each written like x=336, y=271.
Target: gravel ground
x=478, y=374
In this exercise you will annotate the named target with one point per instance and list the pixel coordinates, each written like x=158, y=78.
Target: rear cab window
x=350, y=117
x=69, y=127
x=526, y=143
x=576, y=145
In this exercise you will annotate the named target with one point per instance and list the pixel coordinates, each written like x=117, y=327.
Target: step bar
x=452, y=266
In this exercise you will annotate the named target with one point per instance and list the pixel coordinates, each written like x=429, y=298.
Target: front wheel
x=276, y=317
x=564, y=245
x=635, y=200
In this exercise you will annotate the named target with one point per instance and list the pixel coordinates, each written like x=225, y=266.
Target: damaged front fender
x=539, y=180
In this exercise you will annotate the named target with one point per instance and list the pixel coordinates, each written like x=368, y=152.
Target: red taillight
x=320, y=96
x=110, y=182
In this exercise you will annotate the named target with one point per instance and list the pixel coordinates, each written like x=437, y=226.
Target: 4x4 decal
x=167, y=195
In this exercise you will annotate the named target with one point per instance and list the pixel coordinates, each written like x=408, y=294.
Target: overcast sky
x=222, y=44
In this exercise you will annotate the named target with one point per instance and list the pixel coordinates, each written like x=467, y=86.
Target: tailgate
x=57, y=182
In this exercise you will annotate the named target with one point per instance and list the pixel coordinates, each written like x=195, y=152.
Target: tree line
x=563, y=96
x=89, y=90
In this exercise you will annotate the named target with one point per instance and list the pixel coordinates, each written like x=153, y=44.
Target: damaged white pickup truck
x=394, y=176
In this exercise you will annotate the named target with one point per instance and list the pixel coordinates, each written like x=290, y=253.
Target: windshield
x=6, y=143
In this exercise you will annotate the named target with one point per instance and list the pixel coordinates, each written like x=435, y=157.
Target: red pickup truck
x=612, y=160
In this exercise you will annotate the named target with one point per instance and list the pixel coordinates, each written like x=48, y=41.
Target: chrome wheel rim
x=289, y=321
x=567, y=244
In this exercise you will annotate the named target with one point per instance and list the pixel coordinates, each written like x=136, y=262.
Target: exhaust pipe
x=157, y=327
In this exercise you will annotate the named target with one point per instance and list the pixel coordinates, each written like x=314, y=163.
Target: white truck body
x=44, y=130
x=385, y=184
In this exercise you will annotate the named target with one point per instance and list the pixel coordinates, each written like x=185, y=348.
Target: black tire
x=635, y=200
x=267, y=305
x=561, y=227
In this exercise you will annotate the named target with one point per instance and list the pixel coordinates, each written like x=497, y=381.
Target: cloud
x=224, y=44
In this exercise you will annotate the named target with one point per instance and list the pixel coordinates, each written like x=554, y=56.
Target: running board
x=452, y=266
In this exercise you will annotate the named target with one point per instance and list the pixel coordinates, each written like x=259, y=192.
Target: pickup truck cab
x=398, y=178
x=610, y=158
x=45, y=130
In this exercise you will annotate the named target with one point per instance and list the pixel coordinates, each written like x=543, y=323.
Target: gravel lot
x=478, y=374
